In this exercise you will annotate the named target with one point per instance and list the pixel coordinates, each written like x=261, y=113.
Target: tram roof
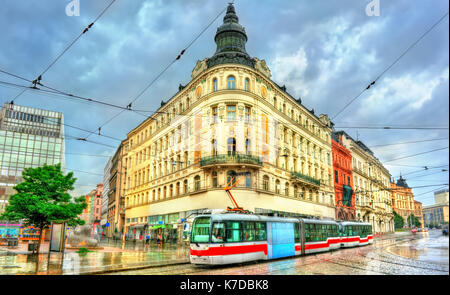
x=247, y=217
x=354, y=223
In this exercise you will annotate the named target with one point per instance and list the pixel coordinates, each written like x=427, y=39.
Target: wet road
x=404, y=254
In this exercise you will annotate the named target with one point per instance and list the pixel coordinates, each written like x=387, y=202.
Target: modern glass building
x=29, y=137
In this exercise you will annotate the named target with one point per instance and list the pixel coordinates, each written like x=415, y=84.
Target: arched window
x=231, y=82
x=231, y=175
x=153, y=195
x=178, y=189
x=231, y=142
x=295, y=191
x=171, y=191
x=247, y=84
x=214, y=179
x=214, y=147
x=215, y=84
x=197, y=182
x=286, y=188
x=265, y=182
x=186, y=186
x=159, y=193
x=277, y=186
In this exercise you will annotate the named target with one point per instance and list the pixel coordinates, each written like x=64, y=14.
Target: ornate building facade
x=231, y=120
x=343, y=180
x=371, y=180
x=402, y=199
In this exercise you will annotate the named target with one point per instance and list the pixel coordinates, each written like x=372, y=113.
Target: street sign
x=107, y=224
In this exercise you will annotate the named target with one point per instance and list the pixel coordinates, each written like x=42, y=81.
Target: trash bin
x=32, y=247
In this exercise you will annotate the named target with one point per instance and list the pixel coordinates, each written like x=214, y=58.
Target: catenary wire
x=392, y=64
x=39, y=77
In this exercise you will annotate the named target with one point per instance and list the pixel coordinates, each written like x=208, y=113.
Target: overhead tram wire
x=39, y=77
x=72, y=96
x=164, y=70
x=415, y=155
x=391, y=65
x=425, y=168
x=407, y=142
x=426, y=175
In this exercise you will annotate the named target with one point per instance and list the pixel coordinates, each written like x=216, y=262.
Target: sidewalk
x=113, y=257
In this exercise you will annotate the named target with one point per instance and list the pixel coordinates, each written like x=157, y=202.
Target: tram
x=228, y=238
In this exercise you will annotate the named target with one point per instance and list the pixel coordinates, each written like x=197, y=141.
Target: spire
x=230, y=39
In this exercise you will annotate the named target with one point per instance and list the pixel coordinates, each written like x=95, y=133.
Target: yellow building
x=403, y=199
x=230, y=120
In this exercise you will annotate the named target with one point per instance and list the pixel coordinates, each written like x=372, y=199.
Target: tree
x=42, y=198
x=414, y=221
x=398, y=221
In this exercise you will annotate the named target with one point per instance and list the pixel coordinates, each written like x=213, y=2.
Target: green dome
x=230, y=39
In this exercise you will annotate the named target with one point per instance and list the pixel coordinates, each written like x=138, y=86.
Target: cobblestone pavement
x=397, y=254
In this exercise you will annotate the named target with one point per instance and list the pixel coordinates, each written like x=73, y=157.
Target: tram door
x=280, y=240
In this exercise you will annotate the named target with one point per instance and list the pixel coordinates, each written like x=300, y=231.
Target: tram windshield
x=200, y=230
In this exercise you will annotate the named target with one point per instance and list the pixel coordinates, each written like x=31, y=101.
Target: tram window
x=323, y=233
x=296, y=233
x=218, y=232
x=261, y=231
x=249, y=231
x=307, y=233
x=233, y=232
x=200, y=230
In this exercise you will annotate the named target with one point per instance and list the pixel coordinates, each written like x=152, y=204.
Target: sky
x=325, y=52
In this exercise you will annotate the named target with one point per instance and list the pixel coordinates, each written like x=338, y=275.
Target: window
x=247, y=146
x=218, y=232
x=231, y=175
x=231, y=82
x=215, y=115
x=197, y=182
x=214, y=179
x=260, y=230
x=336, y=176
x=214, y=147
x=215, y=84
x=233, y=231
x=249, y=231
x=200, y=230
x=246, y=84
x=231, y=142
x=265, y=182
x=296, y=233
x=231, y=112
x=247, y=114
x=185, y=186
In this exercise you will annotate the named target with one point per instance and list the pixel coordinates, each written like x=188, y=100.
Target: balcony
x=226, y=159
x=305, y=178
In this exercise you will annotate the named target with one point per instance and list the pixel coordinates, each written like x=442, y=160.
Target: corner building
x=230, y=120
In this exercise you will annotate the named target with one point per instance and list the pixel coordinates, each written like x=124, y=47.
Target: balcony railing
x=230, y=159
x=305, y=178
